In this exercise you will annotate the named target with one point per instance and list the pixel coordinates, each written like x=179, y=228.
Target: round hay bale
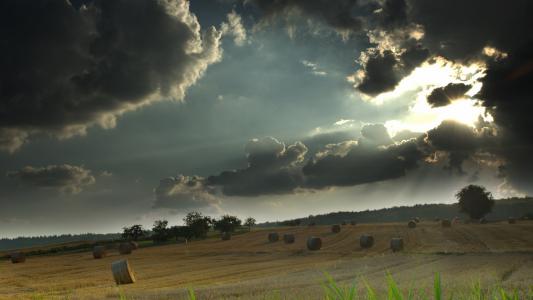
x=417, y=219
x=511, y=220
x=366, y=241
x=99, y=252
x=273, y=237
x=396, y=244
x=353, y=223
x=314, y=243
x=288, y=238
x=411, y=224
x=134, y=245
x=122, y=272
x=446, y=223
x=226, y=236
x=336, y=228
x=125, y=248
x=17, y=257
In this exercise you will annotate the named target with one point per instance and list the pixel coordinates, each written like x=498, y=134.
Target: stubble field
x=249, y=267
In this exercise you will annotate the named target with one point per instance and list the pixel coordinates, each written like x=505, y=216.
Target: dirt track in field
x=248, y=266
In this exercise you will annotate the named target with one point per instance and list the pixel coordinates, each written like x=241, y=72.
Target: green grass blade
x=192, y=295
x=394, y=291
x=370, y=293
x=437, y=287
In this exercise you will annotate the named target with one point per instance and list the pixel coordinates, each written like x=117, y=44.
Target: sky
x=118, y=112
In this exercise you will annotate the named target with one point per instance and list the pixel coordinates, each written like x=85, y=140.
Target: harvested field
x=250, y=267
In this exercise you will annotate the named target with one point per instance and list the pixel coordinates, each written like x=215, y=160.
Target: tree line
x=196, y=226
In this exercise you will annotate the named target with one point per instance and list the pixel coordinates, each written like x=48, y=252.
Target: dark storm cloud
x=273, y=168
x=65, y=178
x=460, y=142
x=380, y=73
x=362, y=164
x=383, y=70
x=66, y=68
x=507, y=92
x=184, y=192
x=444, y=95
x=341, y=15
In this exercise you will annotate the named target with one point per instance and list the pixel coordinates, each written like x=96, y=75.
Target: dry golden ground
x=249, y=267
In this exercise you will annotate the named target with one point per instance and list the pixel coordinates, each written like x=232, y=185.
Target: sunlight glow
x=415, y=88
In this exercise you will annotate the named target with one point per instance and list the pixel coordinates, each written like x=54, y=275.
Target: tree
x=160, y=231
x=133, y=233
x=250, y=222
x=227, y=223
x=182, y=232
x=198, y=223
x=475, y=201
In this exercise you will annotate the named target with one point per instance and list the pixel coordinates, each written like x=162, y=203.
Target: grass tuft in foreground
x=334, y=291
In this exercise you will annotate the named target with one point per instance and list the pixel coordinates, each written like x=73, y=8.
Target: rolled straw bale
x=17, y=257
x=226, y=236
x=125, y=248
x=446, y=223
x=122, y=272
x=336, y=228
x=99, y=252
x=366, y=241
x=396, y=244
x=314, y=243
x=511, y=220
x=288, y=238
x=273, y=237
x=411, y=224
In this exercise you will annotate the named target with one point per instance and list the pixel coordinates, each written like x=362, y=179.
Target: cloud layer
x=65, y=178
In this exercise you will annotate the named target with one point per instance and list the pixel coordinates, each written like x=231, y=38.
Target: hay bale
x=366, y=241
x=225, y=236
x=411, y=224
x=446, y=223
x=314, y=243
x=125, y=248
x=99, y=252
x=396, y=244
x=17, y=257
x=353, y=223
x=336, y=228
x=417, y=219
x=273, y=237
x=288, y=238
x=122, y=272
x=134, y=245
x=511, y=220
